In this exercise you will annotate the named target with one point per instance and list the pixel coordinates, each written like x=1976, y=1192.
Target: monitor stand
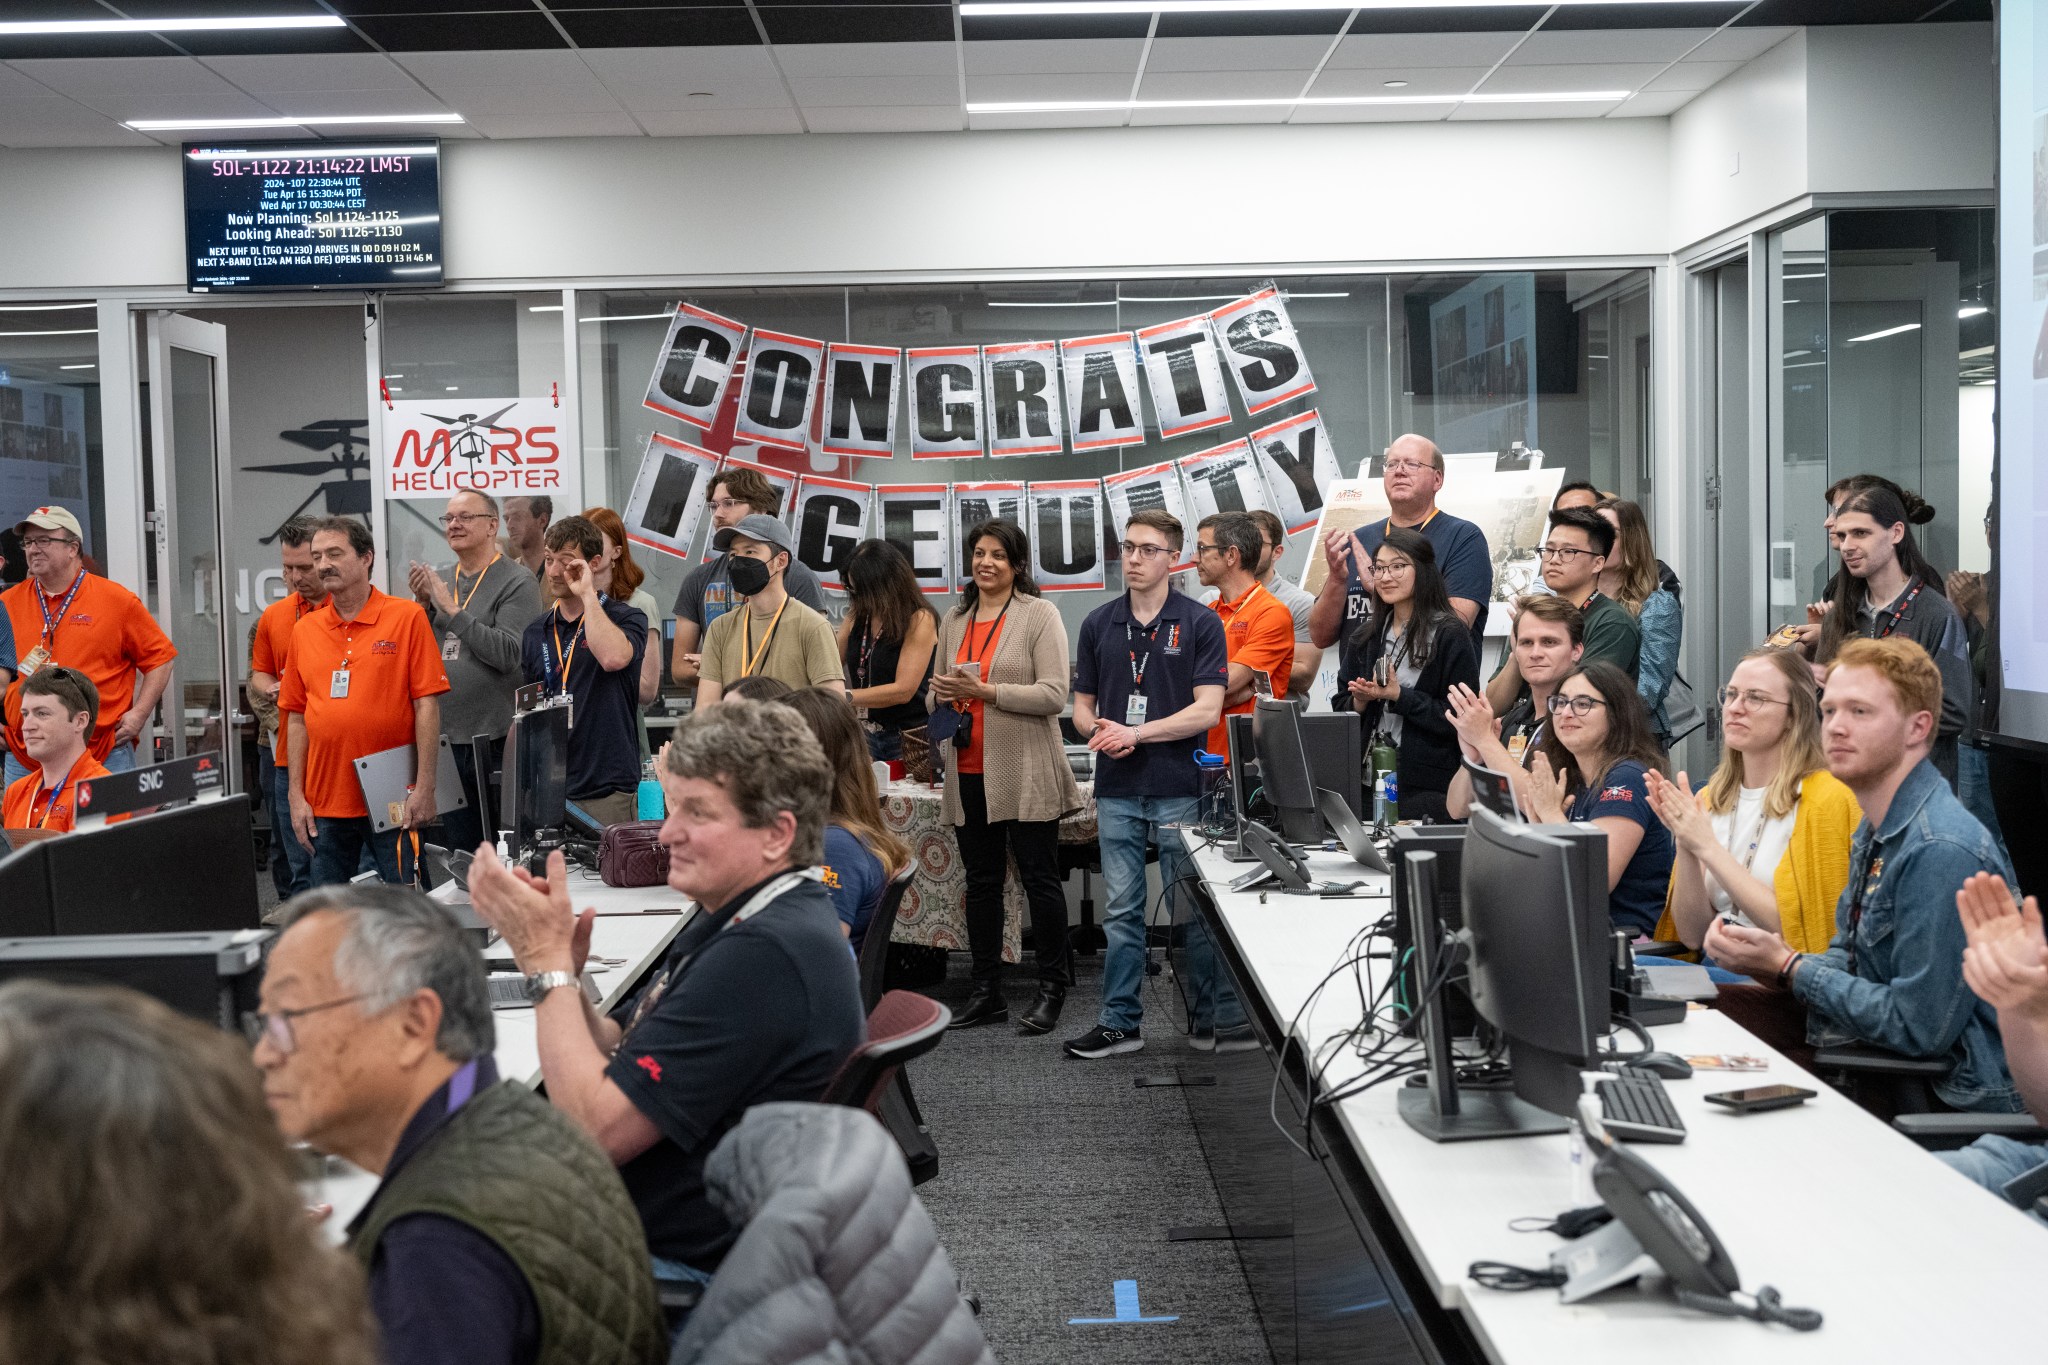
x=1477, y=1114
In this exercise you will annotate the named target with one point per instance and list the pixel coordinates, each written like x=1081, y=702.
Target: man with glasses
x=1299, y=602
x=480, y=620
x=1573, y=555
x=498, y=1223
x=291, y=865
x=526, y=532
x=91, y=625
x=1149, y=675
x=1258, y=631
x=1412, y=473
x=707, y=594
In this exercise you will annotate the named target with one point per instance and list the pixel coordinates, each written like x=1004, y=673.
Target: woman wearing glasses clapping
x=1766, y=841
x=1595, y=764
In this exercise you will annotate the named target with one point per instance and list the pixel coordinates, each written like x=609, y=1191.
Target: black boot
x=1045, y=1010
x=985, y=1006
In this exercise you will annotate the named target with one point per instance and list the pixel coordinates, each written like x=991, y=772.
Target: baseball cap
x=52, y=519
x=759, y=526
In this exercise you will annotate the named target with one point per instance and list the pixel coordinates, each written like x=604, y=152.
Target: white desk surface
x=621, y=931
x=1906, y=1259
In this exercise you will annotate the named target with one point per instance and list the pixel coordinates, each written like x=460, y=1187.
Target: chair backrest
x=905, y=1025
x=874, y=948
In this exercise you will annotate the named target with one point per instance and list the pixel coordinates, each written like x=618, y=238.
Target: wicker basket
x=920, y=756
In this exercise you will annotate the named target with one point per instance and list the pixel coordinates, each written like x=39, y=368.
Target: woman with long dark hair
x=886, y=642
x=861, y=853
x=1005, y=678
x=1399, y=667
x=1594, y=764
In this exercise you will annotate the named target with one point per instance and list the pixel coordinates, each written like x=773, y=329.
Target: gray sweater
x=486, y=669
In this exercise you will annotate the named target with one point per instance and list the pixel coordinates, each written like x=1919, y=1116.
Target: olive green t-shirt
x=800, y=651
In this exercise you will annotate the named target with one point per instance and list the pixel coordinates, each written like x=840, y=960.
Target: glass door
x=188, y=425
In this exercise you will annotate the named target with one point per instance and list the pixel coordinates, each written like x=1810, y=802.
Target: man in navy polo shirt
x=1412, y=471
x=1148, y=684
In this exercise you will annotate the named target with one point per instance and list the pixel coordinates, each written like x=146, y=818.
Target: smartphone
x=1759, y=1098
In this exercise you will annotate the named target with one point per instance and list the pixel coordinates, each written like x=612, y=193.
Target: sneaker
x=1203, y=1040
x=1239, y=1039
x=1104, y=1042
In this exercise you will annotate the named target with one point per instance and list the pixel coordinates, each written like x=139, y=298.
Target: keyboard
x=508, y=991
x=1635, y=1107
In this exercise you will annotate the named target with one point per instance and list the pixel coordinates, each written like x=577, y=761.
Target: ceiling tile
x=1470, y=113
x=17, y=85
x=1055, y=55
x=1693, y=76
x=1272, y=23
x=1741, y=44
x=512, y=70
x=1427, y=80
x=87, y=45
x=1536, y=80
x=854, y=23
x=1423, y=49
x=1661, y=14
x=721, y=122
x=885, y=119
x=126, y=76
x=1070, y=26
x=311, y=74
x=355, y=8
x=1222, y=85
x=124, y=107
x=518, y=125
x=1580, y=46
x=411, y=100
x=842, y=91
x=1370, y=113
x=60, y=123
x=1236, y=54
x=1106, y=118
x=308, y=40
x=461, y=32
x=665, y=26
x=668, y=78
x=1100, y=85
x=1654, y=105
x=1447, y=19
x=1149, y=118
x=569, y=6
x=165, y=9
x=869, y=59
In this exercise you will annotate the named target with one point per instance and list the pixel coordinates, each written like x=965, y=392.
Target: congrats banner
x=1185, y=376
x=781, y=386
x=975, y=503
x=1263, y=352
x=831, y=518
x=1021, y=385
x=1295, y=455
x=945, y=402
x=915, y=516
x=1102, y=392
x=669, y=495
x=1224, y=478
x=695, y=365
x=860, y=400
x=1065, y=531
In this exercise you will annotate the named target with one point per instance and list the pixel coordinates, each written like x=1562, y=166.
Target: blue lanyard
x=63, y=608
x=55, y=797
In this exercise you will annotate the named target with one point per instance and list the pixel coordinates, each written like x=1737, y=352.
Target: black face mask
x=748, y=576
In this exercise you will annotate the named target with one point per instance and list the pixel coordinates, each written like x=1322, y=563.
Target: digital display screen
x=2019, y=535
x=313, y=215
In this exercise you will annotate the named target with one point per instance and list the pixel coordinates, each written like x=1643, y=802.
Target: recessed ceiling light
x=66, y=332
x=16, y=27
x=161, y=125
x=1887, y=332
x=44, y=307
x=1970, y=310
x=1111, y=106
x=544, y=308
x=78, y=367
x=1394, y=85
x=454, y=388
x=630, y=317
x=985, y=9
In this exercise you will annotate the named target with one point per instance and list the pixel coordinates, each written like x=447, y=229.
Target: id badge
x=1134, y=709
x=451, y=649
x=1517, y=746
x=34, y=660
x=337, y=684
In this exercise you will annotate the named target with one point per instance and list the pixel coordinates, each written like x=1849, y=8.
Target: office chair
x=1883, y=1081
x=874, y=948
x=905, y=1025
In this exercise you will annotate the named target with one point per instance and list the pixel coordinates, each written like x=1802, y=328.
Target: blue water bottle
x=650, y=804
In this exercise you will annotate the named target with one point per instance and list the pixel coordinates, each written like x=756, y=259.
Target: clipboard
x=385, y=776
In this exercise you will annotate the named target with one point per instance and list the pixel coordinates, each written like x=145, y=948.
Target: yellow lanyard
x=1416, y=527
x=462, y=603
x=749, y=656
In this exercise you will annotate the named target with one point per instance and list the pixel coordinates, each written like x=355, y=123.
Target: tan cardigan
x=1024, y=766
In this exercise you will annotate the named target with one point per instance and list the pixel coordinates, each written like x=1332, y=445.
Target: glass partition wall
x=49, y=422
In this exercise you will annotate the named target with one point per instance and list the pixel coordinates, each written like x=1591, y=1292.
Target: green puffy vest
x=510, y=1165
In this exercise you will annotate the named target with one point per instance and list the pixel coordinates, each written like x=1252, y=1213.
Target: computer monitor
x=536, y=788
x=186, y=870
x=25, y=891
x=1335, y=754
x=1285, y=775
x=1446, y=916
x=213, y=977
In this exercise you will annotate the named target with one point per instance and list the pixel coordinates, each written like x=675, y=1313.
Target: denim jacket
x=1905, y=991
x=1663, y=624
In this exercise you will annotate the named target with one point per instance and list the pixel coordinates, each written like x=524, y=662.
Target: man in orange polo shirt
x=58, y=708
x=62, y=614
x=1258, y=629
x=363, y=675
x=292, y=863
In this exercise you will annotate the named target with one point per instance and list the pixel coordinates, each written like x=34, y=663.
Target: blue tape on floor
x=1126, y=1292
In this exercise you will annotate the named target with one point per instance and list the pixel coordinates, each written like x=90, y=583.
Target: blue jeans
x=1973, y=788
x=1991, y=1161
x=298, y=862
x=1123, y=825
x=120, y=759
x=339, y=845
x=885, y=744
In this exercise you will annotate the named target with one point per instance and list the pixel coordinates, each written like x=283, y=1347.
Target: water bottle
x=649, y=803
x=1216, y=806
x=1386, y=791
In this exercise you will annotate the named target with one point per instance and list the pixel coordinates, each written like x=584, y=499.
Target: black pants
x=1036, y=846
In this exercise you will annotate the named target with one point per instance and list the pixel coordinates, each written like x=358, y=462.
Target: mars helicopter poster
x=506, y=447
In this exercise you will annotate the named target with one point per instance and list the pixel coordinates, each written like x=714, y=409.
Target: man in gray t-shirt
x=706, y=594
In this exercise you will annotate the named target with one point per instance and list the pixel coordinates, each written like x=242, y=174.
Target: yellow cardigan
x=1815, y=868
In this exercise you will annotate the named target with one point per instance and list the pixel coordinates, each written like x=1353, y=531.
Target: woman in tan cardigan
x=1001, y=666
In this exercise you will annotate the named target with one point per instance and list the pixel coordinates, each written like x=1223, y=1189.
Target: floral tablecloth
x=934, y=909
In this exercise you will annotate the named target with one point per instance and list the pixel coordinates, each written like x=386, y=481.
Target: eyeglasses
x=1405, y=466
x=275, y=1026
x=1392, y=567
x=464, y=518
x=1580, y=706
x=45, y=542
x=1565, y=553
x=1201, y=550
x=727, y=504
x=1133, y=550
x=1750, y=700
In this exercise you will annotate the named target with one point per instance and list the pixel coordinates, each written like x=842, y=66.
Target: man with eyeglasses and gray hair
x=479, y=614
x=500, y=1233
x=1412, y=472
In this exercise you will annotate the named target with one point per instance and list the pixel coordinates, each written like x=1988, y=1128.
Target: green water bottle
x=1385, y=794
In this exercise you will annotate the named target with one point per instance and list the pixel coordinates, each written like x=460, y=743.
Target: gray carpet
x=1058, y=1177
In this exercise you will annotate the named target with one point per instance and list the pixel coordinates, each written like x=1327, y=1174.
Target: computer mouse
x=1667, y=1065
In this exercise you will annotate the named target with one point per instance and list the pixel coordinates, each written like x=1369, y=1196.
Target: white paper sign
x=1158, y=486
x=780, y=388
x=1066, y=535
x=1185, y=376
x=915, y=517
x=1224, y=478
x=669, y=495
x=860, y=400
x=1021, y=393
x=506, y=447
x=1263, y=351
x=1299, y=464
x=945, y=401
x=975, y=503
x=1101, y=375
x=694, y=365
x=831, y=518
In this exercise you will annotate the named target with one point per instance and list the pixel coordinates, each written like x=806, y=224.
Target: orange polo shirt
x=105, y=633
x=27, y=806
x=273, y=647
x=1258, y=632
x=392, y=661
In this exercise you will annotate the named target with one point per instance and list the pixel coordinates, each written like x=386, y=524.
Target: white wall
x=1900, y=107
x=1739, y=150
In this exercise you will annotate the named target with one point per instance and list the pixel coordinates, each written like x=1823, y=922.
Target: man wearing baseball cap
x=774, y=636
x=87, y=623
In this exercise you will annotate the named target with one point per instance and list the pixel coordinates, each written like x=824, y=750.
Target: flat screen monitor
x=1336, y=753
x=354, y=213
x=185, y=870
x=536, y=775
x=25, y=891
x=1285, y=775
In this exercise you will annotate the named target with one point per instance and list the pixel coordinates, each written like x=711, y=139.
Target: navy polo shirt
x=1186, y=651
x=1461, y=557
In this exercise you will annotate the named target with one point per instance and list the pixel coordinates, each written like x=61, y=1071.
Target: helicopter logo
x=466, y=439
x=346, y=496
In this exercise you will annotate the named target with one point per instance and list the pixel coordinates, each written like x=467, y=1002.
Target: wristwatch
x=540, y=983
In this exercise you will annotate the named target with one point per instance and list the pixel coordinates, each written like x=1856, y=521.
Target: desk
x=620, y=932
x=1907, y=1260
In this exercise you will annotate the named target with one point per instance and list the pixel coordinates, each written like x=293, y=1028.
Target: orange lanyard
x=565, y=656
x=462, y=603
x=1416, y=527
